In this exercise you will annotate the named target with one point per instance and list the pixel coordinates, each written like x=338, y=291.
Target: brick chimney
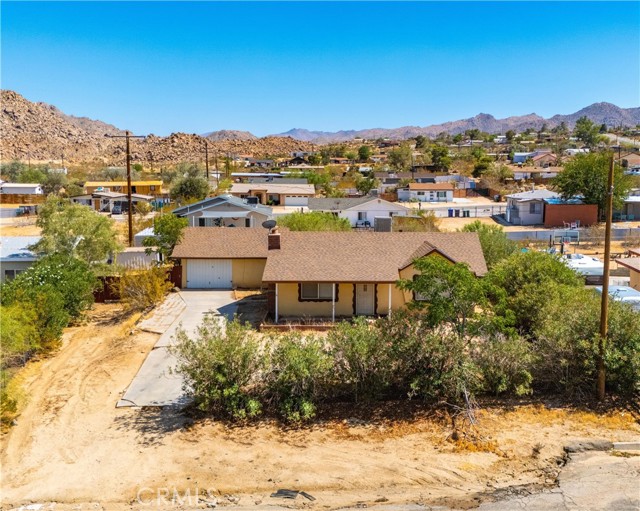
x=274, y=240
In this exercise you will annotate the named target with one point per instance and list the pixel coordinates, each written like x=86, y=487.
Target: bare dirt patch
x=72, y=446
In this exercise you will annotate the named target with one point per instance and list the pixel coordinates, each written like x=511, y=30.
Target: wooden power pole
x=127, y=136
x=604, y=306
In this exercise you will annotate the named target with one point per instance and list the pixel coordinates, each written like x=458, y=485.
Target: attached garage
x=293, y=200
x=209, y=274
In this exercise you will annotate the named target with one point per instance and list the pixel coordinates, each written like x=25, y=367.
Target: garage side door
x=209, y=274
x=290, y=200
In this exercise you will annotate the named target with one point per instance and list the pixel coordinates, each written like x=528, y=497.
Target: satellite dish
x=269, y=224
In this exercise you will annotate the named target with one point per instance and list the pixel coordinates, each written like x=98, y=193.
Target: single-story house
x=633, y=264
x=153, y=188
x=427, y=192
x=345, y=274
x=21, y=189
x=222, y=258
x=544, y=159
x=631, y=208
x=106, y=201
x=522, y=157
x=224, y=211
x=527, y=208
x=358, y=210
x=275, y=193
x=15, y=256
x=535, y=173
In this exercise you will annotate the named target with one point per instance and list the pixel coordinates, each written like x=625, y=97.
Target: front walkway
x=156, y=384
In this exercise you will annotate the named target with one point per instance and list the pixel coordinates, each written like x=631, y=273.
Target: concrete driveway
x=156, y=384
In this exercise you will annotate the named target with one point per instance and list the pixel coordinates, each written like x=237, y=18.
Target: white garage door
x=295, y=201
x=209, y=274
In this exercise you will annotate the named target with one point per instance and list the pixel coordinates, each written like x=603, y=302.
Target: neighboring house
x=21, y=189
x=275, y=193
x=15, y=257
x=527, y=208
x=427, y=192
x=544, y=160
x=222, y=258
x=107, y=202
x=358, y=210
x=573, y=152
x=224, y=211
x=263, y=164
x=153, y=188
x=631, y=208
x=535, y=173
x=633, y=263
x=521, y=157
x=345, y=274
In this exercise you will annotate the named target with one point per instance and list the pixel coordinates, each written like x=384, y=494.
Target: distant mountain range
x=41, y=132
x=600, y=113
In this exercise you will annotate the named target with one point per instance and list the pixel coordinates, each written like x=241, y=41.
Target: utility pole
x=604, y=306
x=206, y=157
x=127, y=136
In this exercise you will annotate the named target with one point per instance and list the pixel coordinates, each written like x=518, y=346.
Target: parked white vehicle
x=584, y=264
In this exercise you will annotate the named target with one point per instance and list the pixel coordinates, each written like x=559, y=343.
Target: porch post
x=389, y=314
x=333, y=302
x=276, y=302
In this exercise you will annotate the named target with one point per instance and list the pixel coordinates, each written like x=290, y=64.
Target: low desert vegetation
x=314, y=221
x=529, y=327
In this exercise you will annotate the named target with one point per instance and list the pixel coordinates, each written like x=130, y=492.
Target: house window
x=362, y=215
x=11, y=274
x=152, y=188
x=420, y=193
x=316, y=291
x=201, y=222
x=535, y=208
x=442, y=195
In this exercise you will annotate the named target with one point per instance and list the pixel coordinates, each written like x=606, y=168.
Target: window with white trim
x=362, y=215
x=535, y=208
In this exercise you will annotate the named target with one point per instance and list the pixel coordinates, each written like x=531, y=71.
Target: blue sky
x=162, y=67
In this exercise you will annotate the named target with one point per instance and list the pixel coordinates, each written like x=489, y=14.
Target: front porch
x=328, y=302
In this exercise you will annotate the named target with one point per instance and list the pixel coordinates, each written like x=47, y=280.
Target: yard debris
x=292, y=494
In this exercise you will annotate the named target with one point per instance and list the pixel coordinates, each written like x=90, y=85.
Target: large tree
x=495, y=244
x=400, y=158
x=587, y=131
x=167, y=232
x=440, y=158
x=587, y=176
x=76, y=231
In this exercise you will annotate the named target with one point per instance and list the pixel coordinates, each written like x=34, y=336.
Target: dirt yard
x=73, y=447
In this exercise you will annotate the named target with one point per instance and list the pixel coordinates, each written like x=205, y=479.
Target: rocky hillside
x=41, y=132
x=606, y=113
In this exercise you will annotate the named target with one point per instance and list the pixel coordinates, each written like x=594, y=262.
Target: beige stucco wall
x=247, y=273
x=635, y=280
x=288, y=304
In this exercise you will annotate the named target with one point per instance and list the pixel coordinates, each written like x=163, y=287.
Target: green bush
x=360, y=356
x=566, y=343
x=299, y=371
x=314, y=221
x=505, y=364
x=219, y=366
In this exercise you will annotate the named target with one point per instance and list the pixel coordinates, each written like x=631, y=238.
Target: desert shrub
x=519, y=286
x=566, y=343
x=504, y=363
x=314, y=221
x=8, y=402
x=299, y=370
x=18, y=334
x=433, y=364
x=495, y=244
x=139, y=288
x=219, y=364
x=360, y=355
x=71, y=277
x=48, y=303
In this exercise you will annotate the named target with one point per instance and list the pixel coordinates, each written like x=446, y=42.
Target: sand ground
x=72, y=446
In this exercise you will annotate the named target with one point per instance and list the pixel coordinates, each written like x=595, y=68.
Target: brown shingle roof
x=633, y=263
x=431, y=186
x=364, y=256
x=222, y=243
